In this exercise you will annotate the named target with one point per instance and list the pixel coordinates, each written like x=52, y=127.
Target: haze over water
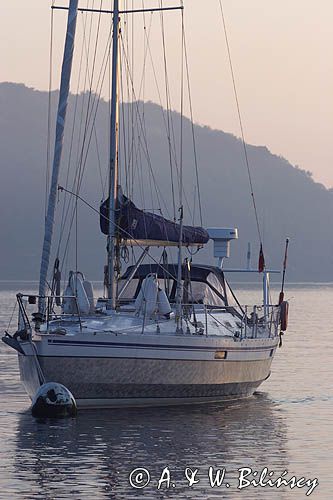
x=285, y=426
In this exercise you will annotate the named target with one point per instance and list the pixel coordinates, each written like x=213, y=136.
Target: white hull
x=116, y=370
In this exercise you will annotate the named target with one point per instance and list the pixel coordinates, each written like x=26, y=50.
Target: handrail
x=250, y=321
x=49, y=314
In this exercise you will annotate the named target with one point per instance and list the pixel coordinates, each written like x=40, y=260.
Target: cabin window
x=220, y=354
x=209, y=292
x=230, y=298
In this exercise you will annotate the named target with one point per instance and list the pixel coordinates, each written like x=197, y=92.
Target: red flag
x=261, y=263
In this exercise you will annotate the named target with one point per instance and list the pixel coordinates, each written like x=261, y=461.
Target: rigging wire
x=167, y=96
x=123, y=125
x=139, y=121
x=90, y=91
x=72, y=202
x=92, y=116
x=136, y=114
x=192, y=124
x=79, y=149
x=85, y=160
x=96, y=101
x=141, y=93
x=209, y=313
x=132, y=118
x=181, y=116
x=167, y=129
x=90, y=79
x=142, y=97
x=99, y=162
x=145, y=149
x=89, y=113
x=240, y=122
x=62, y=223
x=66, y=207
x=12, y=315
x=127, y=124
x=163, y=112
x=179, y=309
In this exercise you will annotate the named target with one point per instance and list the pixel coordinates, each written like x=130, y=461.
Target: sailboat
x=164, y=333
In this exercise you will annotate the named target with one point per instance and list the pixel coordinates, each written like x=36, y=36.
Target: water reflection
x=92, y=456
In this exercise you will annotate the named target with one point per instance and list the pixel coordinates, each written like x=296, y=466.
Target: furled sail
x=140, y=227
x=60, y=125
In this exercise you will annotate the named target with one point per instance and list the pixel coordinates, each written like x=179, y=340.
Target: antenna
x=222, y=237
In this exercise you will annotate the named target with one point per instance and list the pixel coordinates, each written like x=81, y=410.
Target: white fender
x=138, y=302
x=150, y=295
x=68, y=304
x=146, y=301
x=163, y=303
x=76, y=282
x=87, y=285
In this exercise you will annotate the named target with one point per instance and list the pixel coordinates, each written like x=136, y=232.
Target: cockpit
x=200, y=284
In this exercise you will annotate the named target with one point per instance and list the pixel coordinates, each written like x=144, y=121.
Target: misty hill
x=289, y=202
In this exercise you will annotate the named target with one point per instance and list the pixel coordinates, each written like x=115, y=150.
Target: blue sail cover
x=136, y=224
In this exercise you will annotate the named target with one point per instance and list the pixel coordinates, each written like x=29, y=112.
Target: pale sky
x=282, y=58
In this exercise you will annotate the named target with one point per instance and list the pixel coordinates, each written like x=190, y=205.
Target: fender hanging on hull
x=53, y=400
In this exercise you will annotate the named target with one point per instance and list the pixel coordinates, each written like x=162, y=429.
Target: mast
x=113, y=175
x=179, y=291
x=60, y=125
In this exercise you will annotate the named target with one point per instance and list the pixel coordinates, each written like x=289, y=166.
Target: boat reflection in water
x=93, y=455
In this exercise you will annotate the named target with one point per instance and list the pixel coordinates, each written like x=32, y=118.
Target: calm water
x=285, y=426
